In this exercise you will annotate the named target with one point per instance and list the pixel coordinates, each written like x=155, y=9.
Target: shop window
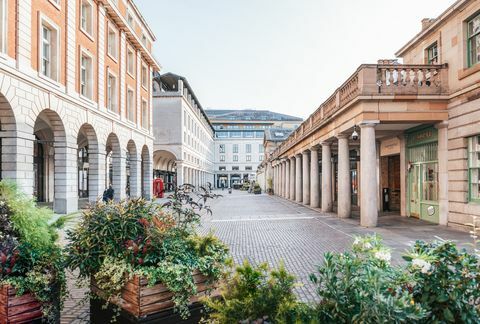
x=473, y=40
x=474, y=168
x=430, y=181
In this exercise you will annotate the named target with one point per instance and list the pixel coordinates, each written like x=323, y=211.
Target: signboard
x=390, y=146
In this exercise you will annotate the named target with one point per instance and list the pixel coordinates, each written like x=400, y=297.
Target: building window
x=222, y=168
x=3, y=26
x=129, y=18
x=144, y=39
x=473, y=40
x=144, y=76
x=248, y=148
x=48, y=50
x=112, y=93
x=248, y=168
x=131, y=105
x=130, y=61
x=86, y=75
x=145, y=114
x=235, y=168
x=112, y=46
x=474, y=168
x=248, y=158
x=432, y=54
x=86, y=17
x=235, y=158
x=249, y=134
x=221, y=148
x=260, y=158
x=222, y=158
x=260, y=148
x=235, y=148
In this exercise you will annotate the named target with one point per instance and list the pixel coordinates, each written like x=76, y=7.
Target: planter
x=18, y=309
x=141, y=301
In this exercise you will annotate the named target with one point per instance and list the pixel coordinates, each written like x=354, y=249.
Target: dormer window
x=473, y=40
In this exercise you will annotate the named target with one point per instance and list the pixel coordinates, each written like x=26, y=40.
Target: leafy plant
x=447, y=282
x=116, y=241
x=30, y=259
x=258, y=295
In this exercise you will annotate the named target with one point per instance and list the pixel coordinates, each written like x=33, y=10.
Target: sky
x=286, y=56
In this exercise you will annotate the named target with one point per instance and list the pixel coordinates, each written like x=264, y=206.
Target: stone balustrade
x=376, y=80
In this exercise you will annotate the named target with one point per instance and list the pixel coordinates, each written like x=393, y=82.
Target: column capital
x=306, y=152
x=443, y=124
x=368, y=123
x=342, y=136
x=325, y=143
x=315, y=147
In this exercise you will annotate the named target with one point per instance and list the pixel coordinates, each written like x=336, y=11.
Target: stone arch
x=133, y=170
x=115, y=166
x=89, y=175
x=147, y=173
x=165, y=167
x=54, y=163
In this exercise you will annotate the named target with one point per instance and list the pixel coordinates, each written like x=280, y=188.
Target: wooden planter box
x=18, y=309
x=141, y=301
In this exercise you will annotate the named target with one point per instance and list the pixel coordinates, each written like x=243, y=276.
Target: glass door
x=414, y=190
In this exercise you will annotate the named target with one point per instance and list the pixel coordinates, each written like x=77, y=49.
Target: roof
x=169, y=82
x=454, y=8
x=277, y=134
x=248, y=115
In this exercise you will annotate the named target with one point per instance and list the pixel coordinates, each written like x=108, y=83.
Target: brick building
x=75, y=94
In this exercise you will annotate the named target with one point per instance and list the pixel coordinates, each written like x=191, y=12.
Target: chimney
x=426, y=22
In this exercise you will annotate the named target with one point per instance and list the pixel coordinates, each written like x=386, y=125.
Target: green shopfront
x=422, y=173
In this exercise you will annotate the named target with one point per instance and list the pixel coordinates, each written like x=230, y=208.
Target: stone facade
x=48, y=122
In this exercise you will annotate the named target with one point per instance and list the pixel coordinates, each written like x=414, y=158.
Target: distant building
x=239, y=136
x=183, y=145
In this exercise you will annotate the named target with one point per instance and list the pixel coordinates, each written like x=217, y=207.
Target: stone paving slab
x=262, y=228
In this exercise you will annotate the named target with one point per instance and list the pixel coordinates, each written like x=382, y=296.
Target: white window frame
x=54, y=52
x=113, y=56
x=90, y=74
x=112, y=98
x=144, y=75
x=130, y=16
x=147, y=126
x=86, y=30
x=4, y=26
x=55, y=3
x=131, y=61
x=131, y=106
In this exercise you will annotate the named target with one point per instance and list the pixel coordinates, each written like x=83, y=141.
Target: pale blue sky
x=282, y=55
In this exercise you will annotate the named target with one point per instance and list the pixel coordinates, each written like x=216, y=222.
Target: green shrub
x=115, y=241
x=30, y=259
x=447, y=282
x=258, y=294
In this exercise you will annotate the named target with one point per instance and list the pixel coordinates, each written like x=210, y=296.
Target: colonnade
x=297, y=177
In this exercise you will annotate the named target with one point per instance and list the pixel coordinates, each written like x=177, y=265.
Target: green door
x=414, y=190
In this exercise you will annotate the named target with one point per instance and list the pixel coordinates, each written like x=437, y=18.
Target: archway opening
x=113, y=174
x=146, y=173
x=165, y=168
x=87, y=165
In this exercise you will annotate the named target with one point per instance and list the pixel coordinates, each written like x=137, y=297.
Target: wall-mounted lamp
x=355, y=133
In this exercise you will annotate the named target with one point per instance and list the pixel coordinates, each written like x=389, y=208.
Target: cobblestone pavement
x=264, y=228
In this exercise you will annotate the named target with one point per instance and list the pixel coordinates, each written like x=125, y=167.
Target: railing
x=377, y=80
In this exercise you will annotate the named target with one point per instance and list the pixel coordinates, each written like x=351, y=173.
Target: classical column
x=298, y=178
x=65, y=178
x=368, y=185
x=314, y=179
x=282, y=189
x=443, y=172
x=180, y=175
x=344, y=190
x=326, y=177
x=306, y=177
x=287, y=179
x=292, y=178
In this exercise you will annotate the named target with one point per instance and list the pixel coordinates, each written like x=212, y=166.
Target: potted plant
x=146, y=258
x=256, y=189
x=32, y=279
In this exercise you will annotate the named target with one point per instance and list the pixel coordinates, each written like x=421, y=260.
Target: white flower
x=367, y=245
x=383, y=255
x=422, y=264
x=356, y=241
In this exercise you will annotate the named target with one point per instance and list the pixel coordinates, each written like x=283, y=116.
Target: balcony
x=385, y=81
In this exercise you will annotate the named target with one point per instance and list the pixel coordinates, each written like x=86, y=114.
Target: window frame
x=133, y=105
x=44, y=21
x=4, y=27
x=471, y=38
x=111, y=27
x=89, y=83
x=429, y=58
x=144, y=101
x=109, y=96
x=132, y=61
x=471, y=143
x=144, y=75
x=85, y=30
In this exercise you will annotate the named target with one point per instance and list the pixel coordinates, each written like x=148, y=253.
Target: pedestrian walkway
x=263, y=228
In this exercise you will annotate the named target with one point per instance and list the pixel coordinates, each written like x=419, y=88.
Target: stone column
x=65, y=178
x=326, y=177
x=298, y=178
x=344, y=190
x=135, y=176
x=403, y=176
x=96, y=173
x=287, y=179
x=147, y=166
x=443, y=172
x=314, y=179
x=368, y=187
x=306, y=177
x=180, y=175
x=292, y=178
x=282, y=182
